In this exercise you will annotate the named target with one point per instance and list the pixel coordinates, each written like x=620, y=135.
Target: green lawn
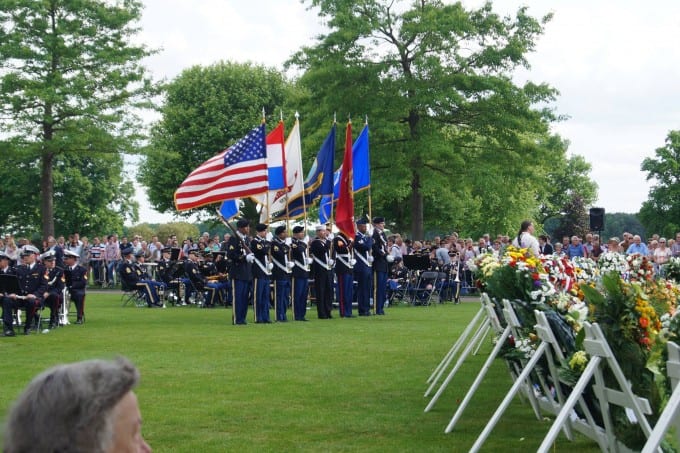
x=324, y=385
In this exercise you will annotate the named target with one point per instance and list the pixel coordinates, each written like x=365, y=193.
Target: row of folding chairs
x=542, y=387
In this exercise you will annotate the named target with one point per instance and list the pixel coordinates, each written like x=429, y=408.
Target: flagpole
x=370, y=214
x=330, y=215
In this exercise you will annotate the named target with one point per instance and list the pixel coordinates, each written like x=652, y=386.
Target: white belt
x=322, y=264
x=301, y=266
x=262, y=267
x=364, y=259
x=280, y=266
x=342, y=260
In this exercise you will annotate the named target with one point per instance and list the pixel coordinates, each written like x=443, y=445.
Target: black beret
x=166, y=249
x=127, y=251
x=242, y=223
x=298, y=229
x=261, y=227
x=378, y=219
x=362, y=221
x=279, y=229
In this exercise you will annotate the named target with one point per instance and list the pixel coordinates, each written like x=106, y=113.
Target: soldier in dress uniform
x=167, y=269
x=7, y=303
x=363, y=268
x=75, y=277
x=322, y=273
x=344, y=272
x=134, y=276
x=222, y=265
x=54, y=295
x=198, y=280
x=281, y=272
x=241, y=270
x=301, y=261
x=381, y=265
x=262, y=271
x=32, y=278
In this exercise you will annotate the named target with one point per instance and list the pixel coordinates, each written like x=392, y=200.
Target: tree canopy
x=451, y=130
x=661, y=212
x=70, y=89
x=206, y=110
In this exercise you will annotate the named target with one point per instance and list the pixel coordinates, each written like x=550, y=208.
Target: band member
x=54, y=295
x=262, y=272
x=7, y=303
x=216, y=274
x=451, y=285
x=322, y=272
x=222, y=264
x=301, y=262
x=344, y=272
x=133, y=275
x=75, y=277
x=363, y=268
x=167, y=272
x=281, y=272
x=32, y=286
x=241, y=270
x=198, y=280
x=380, y=265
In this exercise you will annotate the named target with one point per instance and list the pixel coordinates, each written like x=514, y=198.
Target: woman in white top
x=661, y=255
x=525, y=240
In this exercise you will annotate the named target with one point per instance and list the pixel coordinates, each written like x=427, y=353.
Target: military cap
x=127, y=251
x=362, y=221
x=166, y=249
x=320, y=227
x=242, y=223
x=48, y=256
x=279, y=229
x=194, y=252
x=298, y=229
x=70, y=253
x=4, y=256
x=140, y=253
x=29, y=249
x=378, y=220
x=261, y=227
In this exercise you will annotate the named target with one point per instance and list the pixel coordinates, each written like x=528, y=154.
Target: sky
x=616, y=64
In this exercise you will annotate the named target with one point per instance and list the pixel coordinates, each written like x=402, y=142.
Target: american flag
x=239, y=171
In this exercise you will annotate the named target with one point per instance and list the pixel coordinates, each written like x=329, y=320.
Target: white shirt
x=527, y=241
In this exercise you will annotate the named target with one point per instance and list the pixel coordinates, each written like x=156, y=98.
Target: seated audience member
x=80, y=407
x=613, y=245
x=544, y=246
x=596, y=250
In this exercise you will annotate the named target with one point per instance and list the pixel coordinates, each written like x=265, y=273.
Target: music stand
x=417, y=262
x=9, y=284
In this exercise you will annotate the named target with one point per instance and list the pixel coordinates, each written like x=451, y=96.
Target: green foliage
x=206, y=110
x=574, y=219
x=615, y=224
x=182, y=230
x=661, y=212
x=71, y=84
x=448, y=125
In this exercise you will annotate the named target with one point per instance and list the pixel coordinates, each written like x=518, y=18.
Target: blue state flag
x=326, y=200
x=229, y=209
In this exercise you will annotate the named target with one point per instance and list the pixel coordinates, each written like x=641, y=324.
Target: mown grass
x=326, y=385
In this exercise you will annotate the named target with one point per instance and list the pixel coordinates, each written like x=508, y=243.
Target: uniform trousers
x=262, y=299
x=241, y=290
x=323, y=285
x=300, y=289
x=364, y=278
x=345, y=294
x=282, y=291
x=380, y=292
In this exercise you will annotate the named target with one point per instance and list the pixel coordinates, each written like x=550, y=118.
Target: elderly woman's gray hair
x=69, y=408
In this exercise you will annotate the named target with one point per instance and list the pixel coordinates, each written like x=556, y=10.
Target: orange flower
x=644, y=322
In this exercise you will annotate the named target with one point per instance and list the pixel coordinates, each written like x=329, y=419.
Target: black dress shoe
x=80, y=321
x=27, y=331
x=10, y=333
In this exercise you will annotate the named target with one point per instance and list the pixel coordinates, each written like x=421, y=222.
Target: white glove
x=290, y=264
x=389, y=258
x=352, y=262
x=250, y=257
x=309, y=261
x=371, y=259
x=270, y=266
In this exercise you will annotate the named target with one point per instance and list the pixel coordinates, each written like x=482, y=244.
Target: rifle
x=233, y=230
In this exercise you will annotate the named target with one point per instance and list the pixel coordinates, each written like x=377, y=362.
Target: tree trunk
x=416, y=208
x=46, y=195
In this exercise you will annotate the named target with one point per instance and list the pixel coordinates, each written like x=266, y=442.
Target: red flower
x=644, y=322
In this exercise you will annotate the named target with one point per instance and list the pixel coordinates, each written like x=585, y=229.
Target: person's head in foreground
x=78, y=407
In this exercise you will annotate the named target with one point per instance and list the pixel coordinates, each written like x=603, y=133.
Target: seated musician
x=6, y=269
x=198, y=281
x=54, y=295
x=75, y=277
x=32, y=286
x=133, y=275
x=213, y=275
x=397, y=278
x=168, y=271
x=450, y=285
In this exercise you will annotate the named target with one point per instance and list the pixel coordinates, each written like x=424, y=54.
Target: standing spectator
x=85, y=249
x=661, y=256
x=96, y=259
x=675, y=249
x=58, y=250
x=525, y=238
x=111, y=258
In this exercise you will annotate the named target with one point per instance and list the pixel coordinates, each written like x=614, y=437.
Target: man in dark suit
x=363, y=268
x=76, y=282
x=381, y=265
x=241, y=272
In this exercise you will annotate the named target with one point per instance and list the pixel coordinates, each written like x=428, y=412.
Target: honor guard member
x=381, y=264
x=7, y=303
x=198, y=280
x=322, y=273
x=132, y=275
x=262, y=272
x=32, y=278
x=363, y=268
x=167, y=270
x=241, y=270
x=282, y=271
x=54, y=295
x=75, y=277
x=301, y=261
x=344, y=272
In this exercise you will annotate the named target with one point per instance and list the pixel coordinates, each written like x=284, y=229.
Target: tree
x=574, y=220
x=206, y=109
x=70, y=84
x=615, y=224
x=435, y=81
x=661, y=212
